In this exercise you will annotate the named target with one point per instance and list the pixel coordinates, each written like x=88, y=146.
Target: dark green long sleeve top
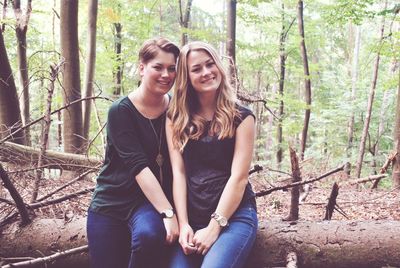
x=132, y=146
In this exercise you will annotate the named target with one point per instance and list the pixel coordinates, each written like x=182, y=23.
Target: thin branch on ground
x=48, y=259
x=268, y=191
x=58, y=200
x=66, y=185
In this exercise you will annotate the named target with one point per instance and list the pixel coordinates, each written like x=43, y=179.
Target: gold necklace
x=159, y=157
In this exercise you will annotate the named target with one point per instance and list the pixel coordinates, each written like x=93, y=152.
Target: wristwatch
x=168, y=213
x=221, y=220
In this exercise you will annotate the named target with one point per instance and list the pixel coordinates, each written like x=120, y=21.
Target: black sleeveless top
x=208, y=164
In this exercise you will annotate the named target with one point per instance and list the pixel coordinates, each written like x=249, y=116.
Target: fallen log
x=338, y=244
x=24, y=155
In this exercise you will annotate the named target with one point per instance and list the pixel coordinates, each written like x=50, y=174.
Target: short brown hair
x=150, y=48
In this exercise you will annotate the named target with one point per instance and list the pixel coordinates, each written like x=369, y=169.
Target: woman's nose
x=205, y=71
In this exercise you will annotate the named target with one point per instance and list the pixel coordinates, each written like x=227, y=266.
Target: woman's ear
x=141, y=69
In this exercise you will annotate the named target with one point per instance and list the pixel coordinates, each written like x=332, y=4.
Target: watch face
x=169, y=213
x=223, y=222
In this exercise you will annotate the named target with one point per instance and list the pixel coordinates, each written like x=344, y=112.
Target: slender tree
x=231, y=39
x=21, y=28
x=307, y=81
x=396, y=162
x=184, y=19
x=117, y=71
x=10, y=114
x=282, y=71
x=72, y=116
x=354, y=79
x=370, y=103
x=90, y=65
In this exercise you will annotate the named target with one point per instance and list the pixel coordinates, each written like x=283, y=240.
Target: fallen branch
x=384, y=168
x=268, y=191
x=367, y=179
x=19, y=202
x=64, y=186
x=48, y=259
x=58, y=200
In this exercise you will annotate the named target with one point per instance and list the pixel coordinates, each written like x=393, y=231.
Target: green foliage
x=329, y=38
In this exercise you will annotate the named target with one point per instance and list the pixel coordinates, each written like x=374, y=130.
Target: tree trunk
x=20, y=29
x=325, y=244
x=328, y=244
x=307, y=81
x=369, y=105
x=24, y=155
x=10, y=114
x=117, y=73
x=184, y=20
x=396, y=161
x=282, y=67
x=90, y=66
x=354, y=79
x=231, y=40
x=72, y=116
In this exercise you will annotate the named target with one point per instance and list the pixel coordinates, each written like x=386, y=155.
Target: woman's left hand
x=206, y=237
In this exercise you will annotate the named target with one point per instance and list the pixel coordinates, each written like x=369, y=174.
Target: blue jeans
x=136, y=243
x=232, y=247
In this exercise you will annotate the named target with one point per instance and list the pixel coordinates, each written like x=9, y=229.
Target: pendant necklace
x=159, y=157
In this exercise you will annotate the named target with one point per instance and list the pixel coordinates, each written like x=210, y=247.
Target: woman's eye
x=171, y=69
x=210, y=64
x=158, y=68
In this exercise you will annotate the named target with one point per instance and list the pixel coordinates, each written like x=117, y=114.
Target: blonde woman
x=210, y=139
x=131, y=218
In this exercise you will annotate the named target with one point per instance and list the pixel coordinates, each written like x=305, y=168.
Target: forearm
x=231, y=196
x=151, y=188
x=180, y=198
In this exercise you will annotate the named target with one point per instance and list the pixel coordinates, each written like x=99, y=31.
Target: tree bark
x=325, y=244
x=231, y=40
x=72, y=116
x=117, y=73
x=10, y=114
x=90, y=66
x=354, y=79
x=307, y=81
x=24, y=155
x=371, y=96
x=282, y=67
x=328, y=244
x=396, y=161
x=21, y=29
x=184, y=20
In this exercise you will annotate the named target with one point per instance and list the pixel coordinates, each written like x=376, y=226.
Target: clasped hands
x=199, y=242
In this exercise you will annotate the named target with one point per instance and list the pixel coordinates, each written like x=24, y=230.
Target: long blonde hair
x=186, y=123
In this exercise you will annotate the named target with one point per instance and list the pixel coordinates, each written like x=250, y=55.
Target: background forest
x=322, y=76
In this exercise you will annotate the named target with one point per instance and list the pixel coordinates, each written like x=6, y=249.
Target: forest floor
x=360, y=203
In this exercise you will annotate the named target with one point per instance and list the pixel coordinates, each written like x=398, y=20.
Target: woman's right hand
x=172, y=229
x=186, y=239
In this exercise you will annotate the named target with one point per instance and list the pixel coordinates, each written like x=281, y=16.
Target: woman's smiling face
x=204, y=74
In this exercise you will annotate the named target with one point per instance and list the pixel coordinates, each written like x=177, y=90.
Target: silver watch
x=221, y=220
x=168, y=213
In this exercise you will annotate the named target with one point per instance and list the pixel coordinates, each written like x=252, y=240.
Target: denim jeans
x=232, y=247
x=136, y=243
